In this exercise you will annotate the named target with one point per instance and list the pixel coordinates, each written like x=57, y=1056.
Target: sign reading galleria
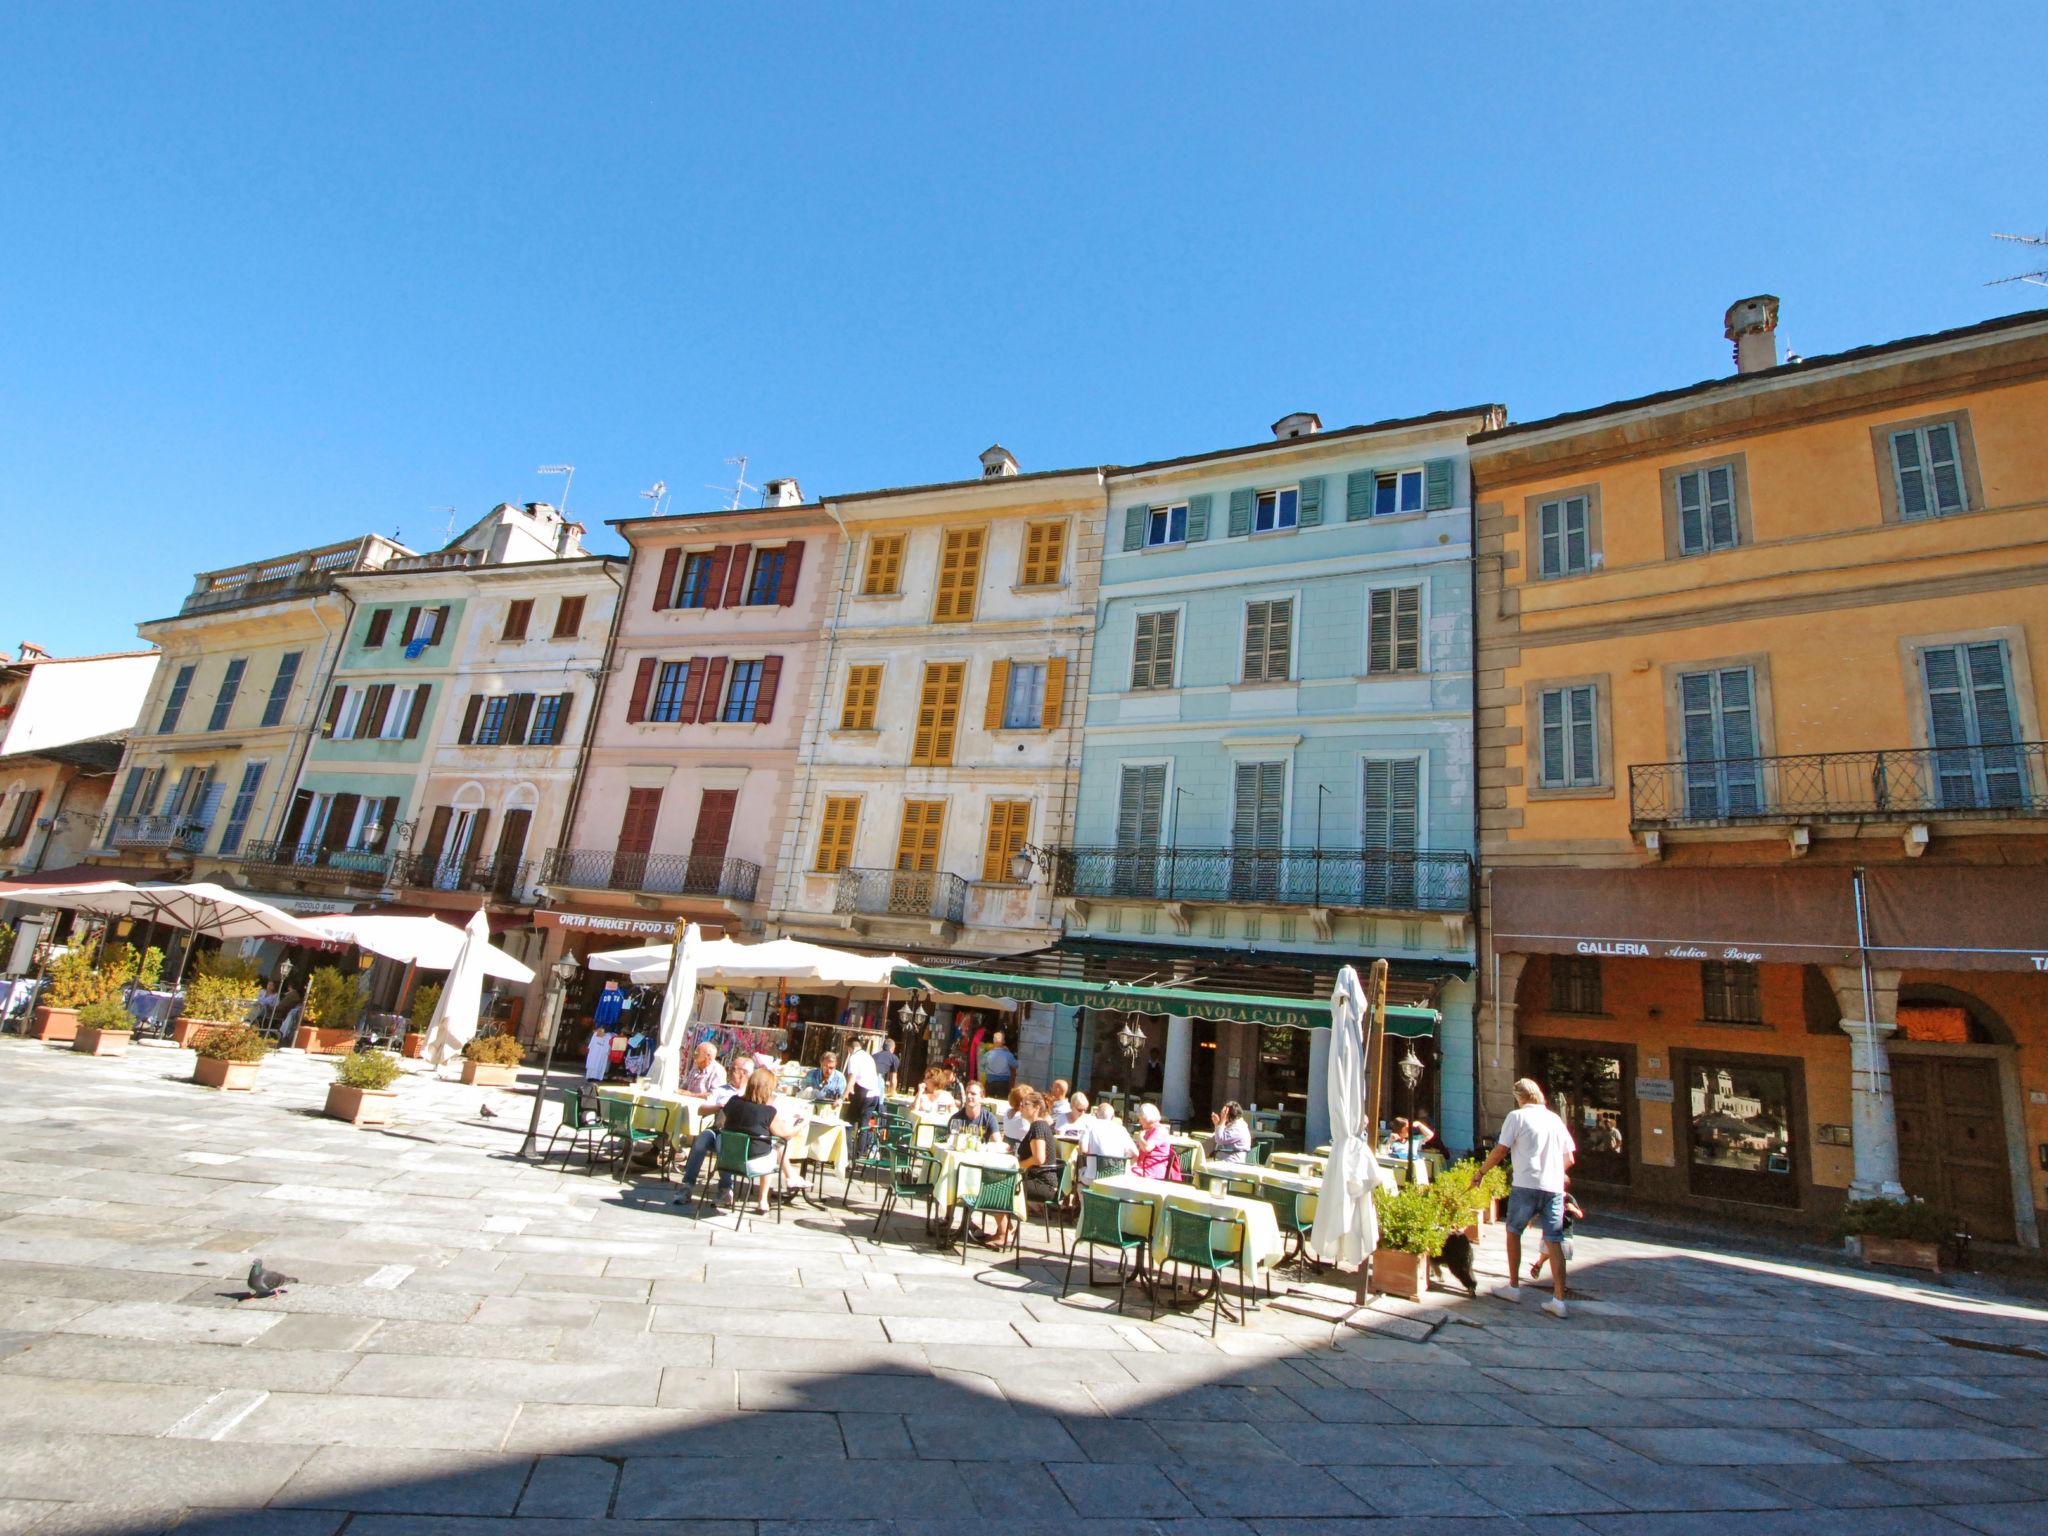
x=1666, y=951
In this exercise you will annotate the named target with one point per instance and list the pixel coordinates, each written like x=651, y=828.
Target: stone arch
x=1987, y=1027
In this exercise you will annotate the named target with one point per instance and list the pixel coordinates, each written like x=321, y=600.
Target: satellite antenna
x=656, y=493
x=739, y=488
x=2039, y=276
x=568, y=472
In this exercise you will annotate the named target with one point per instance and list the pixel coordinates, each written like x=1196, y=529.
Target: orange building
x=1762, y=783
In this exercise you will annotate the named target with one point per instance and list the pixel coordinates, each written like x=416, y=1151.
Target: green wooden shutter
x=1552, y=764
x=1436, y=484
x=1198, y=517
x=1240, y=513
x=1948, y=476
x=1141, y=798
x=1379, y=630
x=1134, y=527
x=1311, y=508
x=1393, y=797
x=1585, y=755
x=1358, y=486
x=1692, y=523
x=1550, y=539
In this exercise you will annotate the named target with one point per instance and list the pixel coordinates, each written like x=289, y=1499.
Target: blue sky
x=276, y=276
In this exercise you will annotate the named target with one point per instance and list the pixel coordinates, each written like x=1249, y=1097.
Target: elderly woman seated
x=1232, y=1142
x=1155, y=1145
x=1077, y=1114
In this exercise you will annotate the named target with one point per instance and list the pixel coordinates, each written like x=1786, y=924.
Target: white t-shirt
x=1542, y=1147
x=860, y=1071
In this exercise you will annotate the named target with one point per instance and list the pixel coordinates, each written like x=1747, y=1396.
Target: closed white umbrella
x=678, y=1004
x=1347, y=1227
x=425, y=942
x=462, y=995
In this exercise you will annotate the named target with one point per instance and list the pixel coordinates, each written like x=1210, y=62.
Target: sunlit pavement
x=480, y=1345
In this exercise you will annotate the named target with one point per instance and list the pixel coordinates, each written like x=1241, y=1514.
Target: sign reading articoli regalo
x=1661, y=950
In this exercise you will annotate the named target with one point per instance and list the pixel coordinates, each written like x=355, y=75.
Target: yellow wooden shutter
x=959, y=575
x=863, y=689
x=998, y=691
x=835, y=833
x=1055, y=691
x=885, y=565
x=1009, y=823
x=1044, y=547
x=917, y=839
x=938, y=714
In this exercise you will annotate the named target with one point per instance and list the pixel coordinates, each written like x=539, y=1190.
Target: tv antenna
x=449, y=536
x=739, y=488
x=568, y=473
x=2039, y=276
x=658, y=494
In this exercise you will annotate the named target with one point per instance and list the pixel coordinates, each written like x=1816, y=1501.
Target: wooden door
x=1952, y=1149
x=636, y=838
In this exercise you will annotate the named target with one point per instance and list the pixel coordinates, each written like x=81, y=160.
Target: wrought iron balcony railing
x=2008, y=779
x=349, y=867
x=502, y=879
x=901, y=893
x=175, y=834
x=654, y=874
x=1421, y=881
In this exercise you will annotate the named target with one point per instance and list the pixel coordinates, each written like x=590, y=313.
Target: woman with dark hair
x=1038, y=1155
x=1232, y=1142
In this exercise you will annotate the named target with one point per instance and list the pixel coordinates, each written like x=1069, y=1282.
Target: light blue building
x=1277, y=763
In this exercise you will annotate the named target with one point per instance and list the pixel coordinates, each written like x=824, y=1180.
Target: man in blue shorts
x=1543, y=1151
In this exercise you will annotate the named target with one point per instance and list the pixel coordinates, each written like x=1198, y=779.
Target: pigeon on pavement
x=488, y=1113
x=267, y=1282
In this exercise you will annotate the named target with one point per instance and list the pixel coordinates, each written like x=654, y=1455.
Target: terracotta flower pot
x=488, y=1074
x=360, y=1106
x=1395, y=1273
x=315, y=1041
x=415, y=1046
x=1472, y=1232
x=101, y=1042
x=188, y=1032
x=233, y=1076
x=1898, y=1252
x=55, y=1024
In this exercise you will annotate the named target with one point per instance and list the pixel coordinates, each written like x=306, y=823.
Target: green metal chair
x=736, y=1156
x=917, y=1179
x=1288, y=1213
x=1110, y=1221
x=996, y=1193
x=1191, y=1242
x=881, y=1156
x=627, y=1130
x=582, y=1135
x=1056, y=1208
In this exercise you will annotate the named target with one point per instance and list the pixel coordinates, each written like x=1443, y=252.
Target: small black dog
x=1457, y=1258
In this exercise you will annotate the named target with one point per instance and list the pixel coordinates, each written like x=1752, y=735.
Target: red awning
x=22, y=887
x=1958, y=917
x=1783, y=915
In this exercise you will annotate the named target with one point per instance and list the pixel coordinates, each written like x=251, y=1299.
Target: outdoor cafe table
x=820, y=1135
x=1298, y=1162
x=960, y=1172
x=696, y=1112
x=1267, y=1178
x=1262, y=1241
x=155, y=1010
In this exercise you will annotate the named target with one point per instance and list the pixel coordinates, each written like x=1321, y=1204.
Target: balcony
x=346, y=868
x=294, y=575
x=652, y=874
x=935, y=897
x=1392, y=882
x=505, y=880
x=166, y=834
x=1906, y=784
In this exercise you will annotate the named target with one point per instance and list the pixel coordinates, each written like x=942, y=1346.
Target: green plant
x=235, y=1042
x=372, y=1071
x=6, y=942
x=1495, y=1185
x=1458, y=1194
x=1913, y=1221
x=108, y=1013
x=1410, y=1219
x=151, y=969
x=220, y=963
x=76, y=978
x=496, y=1050
x=121, y=962
x=332, y=1001
x=220, y=999
x=424, y=1001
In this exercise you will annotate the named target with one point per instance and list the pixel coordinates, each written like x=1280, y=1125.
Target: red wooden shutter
x=636, y=827
x=764, y=697
x=714, y=688
x=665, y=584
x=714, y=824
x=469, y=714
x=714, y=575
x=643, y=684
x=418, y=716
x=792, y=562
x=437, y=836
x=334, y=702
x=736, y=579
x=693, y=690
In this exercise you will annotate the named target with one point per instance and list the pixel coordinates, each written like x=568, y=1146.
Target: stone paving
x=483, y=1346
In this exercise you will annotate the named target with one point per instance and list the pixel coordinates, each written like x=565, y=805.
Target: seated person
x=705, y=1073
x=1103, y=1135
x=1017, y=1121
x=825, y=1082
x=753, y=1113
x=974, y=1115
x=1039, y=1158
x=705, y=1143
x=1069, y=1125
x=1396, y=1145
x=1155, y=1145
x=934, y=1095
x=1056, y=1103
x=1232, y=1142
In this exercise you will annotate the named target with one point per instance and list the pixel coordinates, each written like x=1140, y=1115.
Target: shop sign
x=1655, y=1089
x=1666, y=950
x=599, y=922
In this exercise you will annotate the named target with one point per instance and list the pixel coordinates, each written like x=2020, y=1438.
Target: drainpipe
x=611, y=643
x=785, y=870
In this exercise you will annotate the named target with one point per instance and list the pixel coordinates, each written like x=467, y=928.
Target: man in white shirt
x=1542, y=1148
x=863, y=1082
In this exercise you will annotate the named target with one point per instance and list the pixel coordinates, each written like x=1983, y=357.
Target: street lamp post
x=564, y=971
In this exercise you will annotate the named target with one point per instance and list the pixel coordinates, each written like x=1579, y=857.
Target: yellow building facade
x=1763, y=795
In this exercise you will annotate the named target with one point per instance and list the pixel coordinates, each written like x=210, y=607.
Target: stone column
x=1180, y=1051
x=1497, y=1078
x=1873, y=1118
x=1318, y=1129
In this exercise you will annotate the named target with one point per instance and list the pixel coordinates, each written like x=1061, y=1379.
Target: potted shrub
x=1411, y=1234
x=328, y=1017
x=361, y=1092
x=104, y=1027
x=150, y=969
x=229, y=1055
x=492, y=1061
x=219, y=993
x=1903, y=1234
x=1459, y=1195
x=77, y=979
x=424, y=1000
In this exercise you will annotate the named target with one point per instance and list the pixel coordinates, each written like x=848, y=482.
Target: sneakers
x=1554, y=1307
x=1506, y=1292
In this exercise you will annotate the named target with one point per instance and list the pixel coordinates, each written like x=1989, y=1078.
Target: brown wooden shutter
x=437, y=836
x=474, y=852
x=562, y=702
x=1055, y=691
x=341, y=814
x=714, y=824
x=418, y=716
x=295, y=820
x=636, y=827
x=568, y=618
x=665, y=583
x=335, y=700
x=714, y=689
x=764, y=696
x=736, y=576
x=412, y=623
x=792, y=563
x=516, y=719
x=380, y=625
x=693, y=691
x=370, y=723
x=512, y=838
x=440, y=624
x=469, y=713
x=386, y=817
x=714, y=575
x=643, y=685
x=998, y=691
x=518, y=615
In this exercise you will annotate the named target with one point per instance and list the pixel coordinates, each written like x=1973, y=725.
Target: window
x=1397, y=491
x=348, y=714
x=1268, y=640
x=959, y=575
x=1394, y=630
x=549, y=711
x=1731, y=992
x=1718, y=720
x=281, y=688
x=694, y=590
x=1009, y=824
x=240, y=808
x=1563, y=539
x=835, y=833
x=490, y=722
x=761, y=591
x=1258, y=829
x=1570, y=752
x=1045, y=547
x=1276, y=509
x=174, y=704
x=918, y=838
x=1972, y=718
x=1152, y=649
x=568, y=617
x=224, y=701
x=1927, y=471
x=1140, y=810
x=1706, y=510
x=1738, y=1125
x=423, y=627
x=1166, y=525
x=863, y=690
x=1024, y=698
x=375, y=630
x=938, y=713
x=1575, y=984
x=394, y=710
x=668, y=693
x=742, y=693
x=884, y=569
x=1390, y=830
x=518, y=615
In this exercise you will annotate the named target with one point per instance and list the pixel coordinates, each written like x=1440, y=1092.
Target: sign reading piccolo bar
x=1219, y=1007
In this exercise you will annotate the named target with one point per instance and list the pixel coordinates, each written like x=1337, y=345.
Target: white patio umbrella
x=200, y=907
x=678, y=1004
x=462, y=994
x=723, y=961
x=426, y=942
x=1347, y=1228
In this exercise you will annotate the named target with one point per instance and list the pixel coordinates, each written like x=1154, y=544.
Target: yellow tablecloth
x=1298, y=1162
x=820, y=1136
x=1269, y=1178
x=695, y=1113
x=1262, y=1243
x=960, y=1170
x=1193, y=1153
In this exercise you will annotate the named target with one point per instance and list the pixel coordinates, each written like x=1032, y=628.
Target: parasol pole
x=1374, y=1025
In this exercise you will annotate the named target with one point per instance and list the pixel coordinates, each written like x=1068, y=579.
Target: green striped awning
x=1231, y=1008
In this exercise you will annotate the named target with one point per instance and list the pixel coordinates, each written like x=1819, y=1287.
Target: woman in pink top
x=1155, y=1147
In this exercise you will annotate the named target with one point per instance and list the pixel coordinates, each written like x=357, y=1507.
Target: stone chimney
x=997, y=460
x=570, y=541
x=1298, y=424
x=1752, y=324
x=782, y=493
